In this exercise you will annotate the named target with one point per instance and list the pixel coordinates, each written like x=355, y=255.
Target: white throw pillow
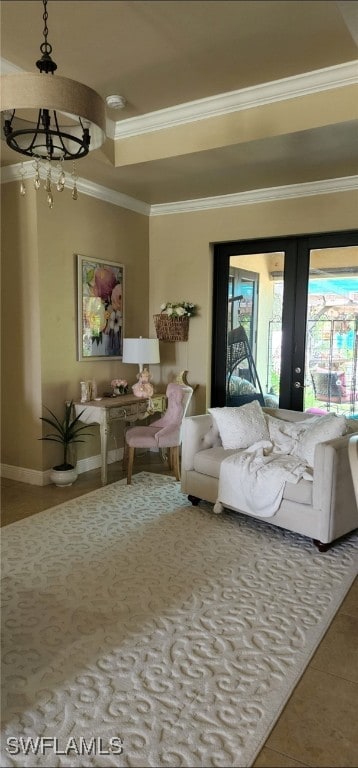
x=241, y=427
x=324, y=428
x=285, y=434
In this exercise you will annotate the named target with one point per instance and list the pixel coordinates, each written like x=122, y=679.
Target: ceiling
x=162, y=54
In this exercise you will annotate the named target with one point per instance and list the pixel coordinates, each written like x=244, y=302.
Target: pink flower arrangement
x=120, y=386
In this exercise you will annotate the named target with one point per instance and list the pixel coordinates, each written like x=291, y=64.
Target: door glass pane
x=332, y=331
x=255, y=298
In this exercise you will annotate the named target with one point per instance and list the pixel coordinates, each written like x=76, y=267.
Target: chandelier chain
x=45, y=47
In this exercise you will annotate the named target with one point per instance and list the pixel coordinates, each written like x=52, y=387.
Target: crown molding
x=236, y=101
x=112, y=196
x=223, y=103
x=8, y=68
x=252, y=197
x=26, y=170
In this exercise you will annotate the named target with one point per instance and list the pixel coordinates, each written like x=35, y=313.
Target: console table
x=126, y=408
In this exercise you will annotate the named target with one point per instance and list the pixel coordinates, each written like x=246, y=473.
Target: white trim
x=84, y=186
x=8, y=68
x=36, y=477
x=112, y=196
x=269, y=194
x=93, y=462
x=23, y=475
x=250, y=197
x=318, y=80
x=235, y=101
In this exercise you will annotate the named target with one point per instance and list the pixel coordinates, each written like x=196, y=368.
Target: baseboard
x=37, y=477
x=23, y=475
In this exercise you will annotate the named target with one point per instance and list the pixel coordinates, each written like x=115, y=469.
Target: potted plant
x=67, y=433
x=173, y=322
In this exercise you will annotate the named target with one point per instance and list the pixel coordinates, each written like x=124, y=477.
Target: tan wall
x=39, y=310
x=39, y=333
x=184, y=242
x=20, y=330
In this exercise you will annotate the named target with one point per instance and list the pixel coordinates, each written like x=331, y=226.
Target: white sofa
x=324, y=509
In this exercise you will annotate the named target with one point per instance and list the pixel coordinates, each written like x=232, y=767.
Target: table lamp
x=141, y=351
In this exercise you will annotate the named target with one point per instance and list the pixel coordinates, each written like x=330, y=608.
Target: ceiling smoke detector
x=116, y=102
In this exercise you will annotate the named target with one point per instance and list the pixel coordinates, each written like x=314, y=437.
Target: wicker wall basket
x=171, y=328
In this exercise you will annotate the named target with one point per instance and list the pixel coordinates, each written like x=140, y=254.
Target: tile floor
x=318, y=726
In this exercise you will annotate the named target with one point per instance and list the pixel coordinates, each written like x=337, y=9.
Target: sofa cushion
x=241, y=427
x=300, y=492
x=208, y=462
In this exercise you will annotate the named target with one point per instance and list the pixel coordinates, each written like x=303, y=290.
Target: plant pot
x=63, y=477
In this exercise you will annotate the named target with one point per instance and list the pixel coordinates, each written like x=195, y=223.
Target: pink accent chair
x=166, y=432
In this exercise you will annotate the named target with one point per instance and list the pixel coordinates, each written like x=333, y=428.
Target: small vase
x=120, y=390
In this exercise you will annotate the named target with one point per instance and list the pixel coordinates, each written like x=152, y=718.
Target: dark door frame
x=296, y=272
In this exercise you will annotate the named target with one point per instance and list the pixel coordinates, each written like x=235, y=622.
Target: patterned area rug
x=130, y=615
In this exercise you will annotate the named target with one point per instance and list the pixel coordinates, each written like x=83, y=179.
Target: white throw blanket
x=254, y=482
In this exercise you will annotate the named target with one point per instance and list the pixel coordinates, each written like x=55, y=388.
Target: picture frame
x=100, y=309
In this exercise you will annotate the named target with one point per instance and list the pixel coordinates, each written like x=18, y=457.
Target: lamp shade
x=141, y=351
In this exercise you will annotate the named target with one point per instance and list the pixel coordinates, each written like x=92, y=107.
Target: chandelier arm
x=84, y=142
x=81, y=152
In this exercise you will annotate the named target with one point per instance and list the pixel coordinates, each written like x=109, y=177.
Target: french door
x=285, y=322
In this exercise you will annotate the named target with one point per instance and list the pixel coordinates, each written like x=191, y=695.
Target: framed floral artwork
x=100, y=309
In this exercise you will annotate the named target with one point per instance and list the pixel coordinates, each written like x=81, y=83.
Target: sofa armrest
x=198, y=434
x=333, y=491
x=353, y=461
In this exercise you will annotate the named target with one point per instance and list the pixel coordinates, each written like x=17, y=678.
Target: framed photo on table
x=100, y=309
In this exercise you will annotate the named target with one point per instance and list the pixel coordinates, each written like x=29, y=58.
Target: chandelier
x=63, y=120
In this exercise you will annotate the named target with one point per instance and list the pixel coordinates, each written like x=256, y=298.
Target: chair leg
x=175, y=456
x=130, y=464
x=126, y=446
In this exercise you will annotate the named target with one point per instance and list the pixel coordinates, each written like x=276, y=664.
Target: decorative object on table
x=100, y=288
x=88, y=390
x=120, y=386
x=70, y=120
x=94, y=390
x=173, y=322
x=141, y=351
x=66, y=432
x=143, y=388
